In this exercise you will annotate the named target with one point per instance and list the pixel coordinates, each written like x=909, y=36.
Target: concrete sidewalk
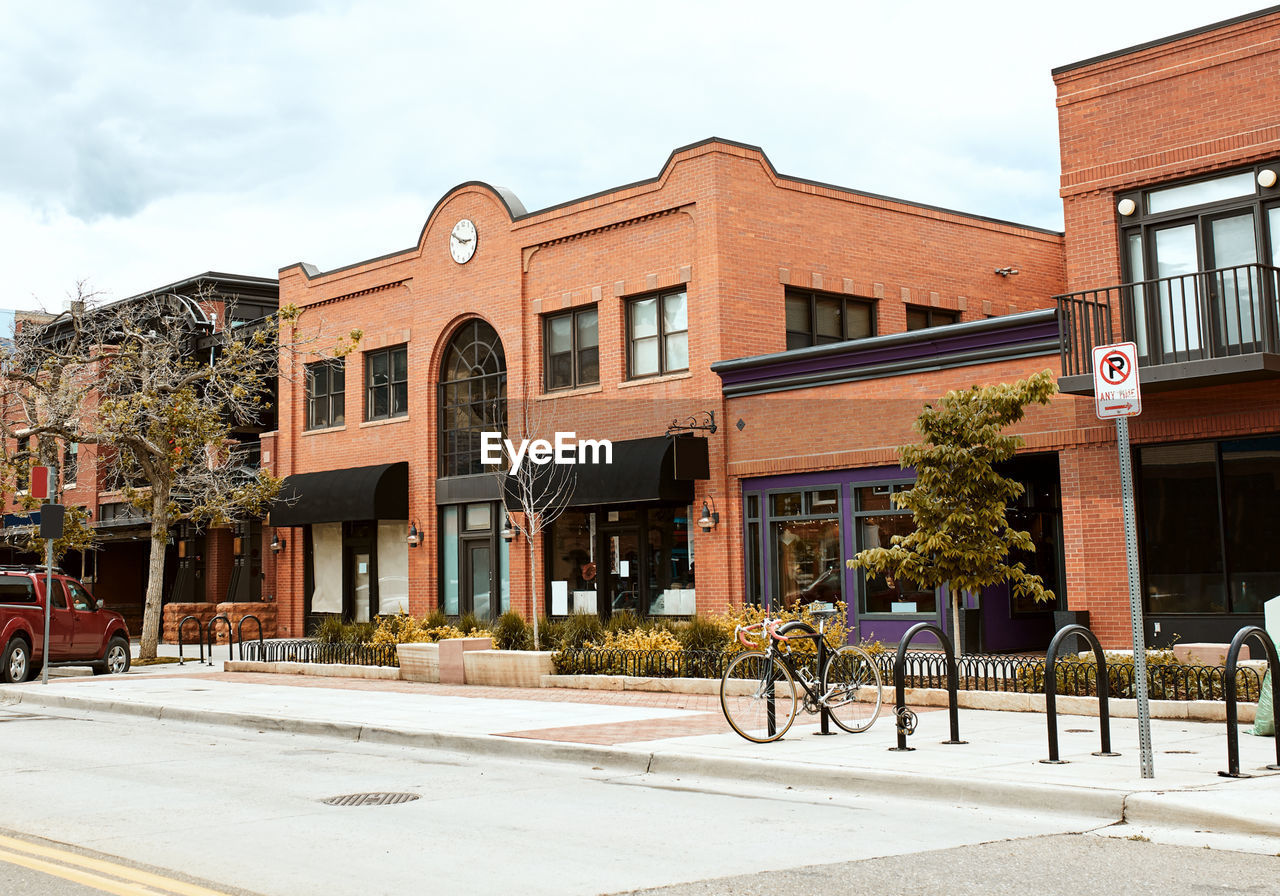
x=685, y=735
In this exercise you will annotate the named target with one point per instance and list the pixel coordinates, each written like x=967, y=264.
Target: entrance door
x=622, y=585
x=477, y=578
x=359, y=576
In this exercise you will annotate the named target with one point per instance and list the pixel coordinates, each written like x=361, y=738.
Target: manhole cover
x=370, y=799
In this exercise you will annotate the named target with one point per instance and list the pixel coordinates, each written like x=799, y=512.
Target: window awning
x=658, y=470
x=358, y=493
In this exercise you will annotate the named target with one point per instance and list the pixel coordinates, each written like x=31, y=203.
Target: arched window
x=473, y=396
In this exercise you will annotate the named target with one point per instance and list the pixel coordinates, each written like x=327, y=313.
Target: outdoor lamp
x=415, y=538
x=508, y=532
x=277, y=543
x=1266, y=178
x=709, y=518
x=1127, y=207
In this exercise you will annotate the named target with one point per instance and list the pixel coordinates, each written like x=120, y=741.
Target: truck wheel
x=16, y=664
x=116, y=660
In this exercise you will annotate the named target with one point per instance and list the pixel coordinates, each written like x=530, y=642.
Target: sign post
x=51, y=524
x=1117, y=396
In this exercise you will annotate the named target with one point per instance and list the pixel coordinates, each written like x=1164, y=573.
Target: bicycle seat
x=822, y=610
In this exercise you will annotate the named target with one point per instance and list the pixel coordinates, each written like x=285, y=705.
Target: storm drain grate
x=370, y=799
x=1079, y=731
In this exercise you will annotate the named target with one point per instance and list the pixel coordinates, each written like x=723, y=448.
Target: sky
x=145, y=142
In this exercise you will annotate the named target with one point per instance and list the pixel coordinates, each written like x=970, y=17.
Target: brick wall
x=718, y=222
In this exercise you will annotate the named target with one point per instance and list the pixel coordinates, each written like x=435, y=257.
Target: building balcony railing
x=1192, y=329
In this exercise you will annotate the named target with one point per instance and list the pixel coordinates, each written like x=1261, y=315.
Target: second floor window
x=572, y=346
x=386, y=377
x=817, y=319
x=919, y=318
x=326, y=394
x=657, y=335
x=70, y=464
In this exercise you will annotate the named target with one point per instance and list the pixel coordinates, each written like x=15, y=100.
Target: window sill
x=650, y=380
x=563, y=393
x=326, y=429
x=401, y=419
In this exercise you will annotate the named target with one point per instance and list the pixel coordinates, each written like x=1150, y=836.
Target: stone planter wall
x=419, y=662
x=507, y=668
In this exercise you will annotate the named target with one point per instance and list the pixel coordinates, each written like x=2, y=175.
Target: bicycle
x=758, y=688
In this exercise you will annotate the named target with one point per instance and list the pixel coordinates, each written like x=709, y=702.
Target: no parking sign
x=1115, y=381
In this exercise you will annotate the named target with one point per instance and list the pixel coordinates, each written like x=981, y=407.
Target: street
x=243, y=811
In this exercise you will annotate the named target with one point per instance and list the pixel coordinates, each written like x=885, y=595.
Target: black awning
x=359, y=493
x=643, y=472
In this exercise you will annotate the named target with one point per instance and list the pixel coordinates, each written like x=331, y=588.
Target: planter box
x=419, y=662
x=507, y=668
x=451, y=668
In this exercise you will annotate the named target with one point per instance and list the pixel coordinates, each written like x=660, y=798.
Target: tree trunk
x=151, y=616
x=533, y=590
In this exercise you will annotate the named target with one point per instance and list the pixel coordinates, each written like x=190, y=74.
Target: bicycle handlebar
x=769, y=626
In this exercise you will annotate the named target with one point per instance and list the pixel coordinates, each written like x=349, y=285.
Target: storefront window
x=804, y=546
x=574, y=574
x=1208, y=525
x=670, y=562
x=878, y=521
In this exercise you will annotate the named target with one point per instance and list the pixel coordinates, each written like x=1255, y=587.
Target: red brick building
x=811, y=322
x=603, y=316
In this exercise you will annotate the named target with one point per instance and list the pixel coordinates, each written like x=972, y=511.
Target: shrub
x=704, y=633
x=332, y=630
x=580, y=629
x=511, y=632
x=550, y=633
x=405, y=629
x=623, y=621
x=469, y=623
x=437, y=619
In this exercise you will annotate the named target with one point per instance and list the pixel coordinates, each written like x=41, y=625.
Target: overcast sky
x=144, y=142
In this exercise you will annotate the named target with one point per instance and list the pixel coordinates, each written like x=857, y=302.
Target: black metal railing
x=307, y=650
x=1074, y=676
x=1220, y=313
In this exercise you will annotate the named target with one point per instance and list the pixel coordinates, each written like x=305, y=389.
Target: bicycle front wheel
x=758, y=696
x=851, y=689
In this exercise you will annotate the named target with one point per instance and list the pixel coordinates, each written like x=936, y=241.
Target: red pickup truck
x=80, y=631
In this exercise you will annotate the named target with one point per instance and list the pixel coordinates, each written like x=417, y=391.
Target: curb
x=1078, y=802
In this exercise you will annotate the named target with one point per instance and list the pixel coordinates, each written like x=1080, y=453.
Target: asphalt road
x=245, y=810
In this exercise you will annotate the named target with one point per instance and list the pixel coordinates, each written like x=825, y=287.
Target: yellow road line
x=129, y=881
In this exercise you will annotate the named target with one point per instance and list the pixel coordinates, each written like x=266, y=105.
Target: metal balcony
x=1199, y=329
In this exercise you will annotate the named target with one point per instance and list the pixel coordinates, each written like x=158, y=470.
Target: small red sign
x=40, y=482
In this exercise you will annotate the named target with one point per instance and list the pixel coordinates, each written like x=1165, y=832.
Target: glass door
x=1177, y=326
x=1232, y=242
x=477, y=596
x=622, y=573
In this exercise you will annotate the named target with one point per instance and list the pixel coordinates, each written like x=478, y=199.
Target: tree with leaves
x=959, y=503
x=128, y=378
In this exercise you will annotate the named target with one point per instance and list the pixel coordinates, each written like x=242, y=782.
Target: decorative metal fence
x=979, y=672
x=309, y=650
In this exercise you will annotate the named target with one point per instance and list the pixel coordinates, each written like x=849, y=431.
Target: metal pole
x=1135, y=598
x=48, y=602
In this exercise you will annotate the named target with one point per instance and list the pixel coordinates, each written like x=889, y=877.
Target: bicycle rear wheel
x=851, y=689
x=758, y=696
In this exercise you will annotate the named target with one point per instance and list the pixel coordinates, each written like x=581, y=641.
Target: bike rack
x=899, y=677
x=824, y=714
x=262, y=649
x=199, y=638
x=231, y=638
x=1051, y=691
x=1229, y=685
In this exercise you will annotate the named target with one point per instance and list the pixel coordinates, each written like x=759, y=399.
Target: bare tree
x=538, y=492
x=160, y=392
